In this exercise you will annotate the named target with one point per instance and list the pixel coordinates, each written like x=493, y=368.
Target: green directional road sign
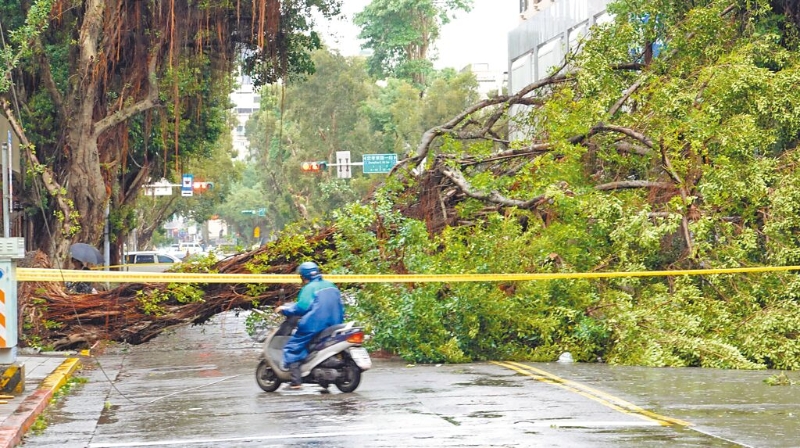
x=378, y=163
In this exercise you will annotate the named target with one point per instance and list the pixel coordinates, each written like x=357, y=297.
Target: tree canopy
x=108, y=95
x=402, y=32
x=631, y=158
x=339, y=108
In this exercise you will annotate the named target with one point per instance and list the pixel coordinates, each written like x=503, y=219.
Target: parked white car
x=149, y=261
x=183, y=249
x=188, y=249
x=173, y=250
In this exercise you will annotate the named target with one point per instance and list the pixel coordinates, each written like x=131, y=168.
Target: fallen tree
x=137, y=312
x=689, y=162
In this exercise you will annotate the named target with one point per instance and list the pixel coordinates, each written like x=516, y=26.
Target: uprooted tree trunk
x=52, y=317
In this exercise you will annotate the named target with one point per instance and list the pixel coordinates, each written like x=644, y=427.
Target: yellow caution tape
x=56, y=275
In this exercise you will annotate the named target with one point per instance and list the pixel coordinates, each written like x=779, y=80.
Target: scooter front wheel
x=266, y=378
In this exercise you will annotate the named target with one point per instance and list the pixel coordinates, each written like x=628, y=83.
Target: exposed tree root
x=50, y=316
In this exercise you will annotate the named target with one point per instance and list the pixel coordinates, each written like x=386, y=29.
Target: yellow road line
x=58, y=275
x=607, y=396
x=599, y=396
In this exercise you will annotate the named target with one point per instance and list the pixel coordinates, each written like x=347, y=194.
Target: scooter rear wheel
x=266, y=378
x=351, y=379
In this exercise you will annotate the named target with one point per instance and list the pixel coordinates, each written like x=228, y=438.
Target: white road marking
x=314, y=435
x=444, y=430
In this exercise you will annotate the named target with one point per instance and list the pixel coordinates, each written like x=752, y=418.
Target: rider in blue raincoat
x=320, y=305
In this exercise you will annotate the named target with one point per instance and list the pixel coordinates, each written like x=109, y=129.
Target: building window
x=523, y=6
x=576, y=33
x=548, y=56
x=521, y=73
x=603, y=17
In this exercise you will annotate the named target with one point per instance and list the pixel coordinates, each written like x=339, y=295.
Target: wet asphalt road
x=195, y=387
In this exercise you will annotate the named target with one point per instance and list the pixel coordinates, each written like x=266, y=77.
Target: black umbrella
x=86, y=253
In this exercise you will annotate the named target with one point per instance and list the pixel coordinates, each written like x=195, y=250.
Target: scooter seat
x=325, y=333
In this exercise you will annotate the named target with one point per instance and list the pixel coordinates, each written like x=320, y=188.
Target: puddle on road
x=424, y=390
x=172, y=369
x=347, y=407
x=485, y=414
x=108, y=416
x=56, y=419
x=491, y=382
x=450, y=420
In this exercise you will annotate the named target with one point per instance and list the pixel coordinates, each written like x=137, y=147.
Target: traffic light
x=200, y=187
x=313, y=167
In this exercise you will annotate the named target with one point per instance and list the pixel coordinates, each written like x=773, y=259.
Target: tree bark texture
x=101, y=65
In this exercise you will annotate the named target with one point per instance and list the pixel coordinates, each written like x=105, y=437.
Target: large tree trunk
x=86, y=187
x=88, y=190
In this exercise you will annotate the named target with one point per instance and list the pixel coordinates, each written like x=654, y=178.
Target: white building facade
x=246, y=101
x=548, y=31
x=489, y=81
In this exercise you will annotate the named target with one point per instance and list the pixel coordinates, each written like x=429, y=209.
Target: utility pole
x=6, y=164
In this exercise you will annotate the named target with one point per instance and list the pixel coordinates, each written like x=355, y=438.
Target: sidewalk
x=44, y=374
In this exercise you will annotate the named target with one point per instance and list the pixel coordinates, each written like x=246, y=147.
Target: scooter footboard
x=275, y=349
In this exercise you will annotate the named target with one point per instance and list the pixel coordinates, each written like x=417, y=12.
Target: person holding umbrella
x=82, y=255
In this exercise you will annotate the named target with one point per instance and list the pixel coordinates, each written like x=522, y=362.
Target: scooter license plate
x=361, y=357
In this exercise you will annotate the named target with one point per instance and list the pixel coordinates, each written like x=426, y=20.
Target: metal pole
x=6, y=192
x=10, y=183
x=107, y=244
x=106, y=238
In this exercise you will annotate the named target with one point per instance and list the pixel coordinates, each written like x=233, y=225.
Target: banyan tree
x=105, y=94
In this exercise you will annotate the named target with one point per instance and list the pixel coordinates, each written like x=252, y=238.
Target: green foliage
x=708, y=180
x=400, y=33
x=718, y=111
x=295, y=41
x=128, y=137
x=460, y=321
x=779, y=379
x=156, y=302
x=24, y=25
x=337, y=108
x=258, y=323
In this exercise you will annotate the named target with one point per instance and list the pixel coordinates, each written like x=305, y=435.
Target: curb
x=14, y=427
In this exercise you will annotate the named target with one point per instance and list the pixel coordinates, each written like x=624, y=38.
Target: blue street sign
x=378, y=163
x=186, y=185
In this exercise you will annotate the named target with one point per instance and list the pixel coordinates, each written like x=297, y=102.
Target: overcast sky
x=480, y=36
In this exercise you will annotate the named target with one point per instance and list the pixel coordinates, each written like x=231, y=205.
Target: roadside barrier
x=59, y=275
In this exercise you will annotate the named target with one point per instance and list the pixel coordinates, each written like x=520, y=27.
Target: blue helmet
x=309, y=270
